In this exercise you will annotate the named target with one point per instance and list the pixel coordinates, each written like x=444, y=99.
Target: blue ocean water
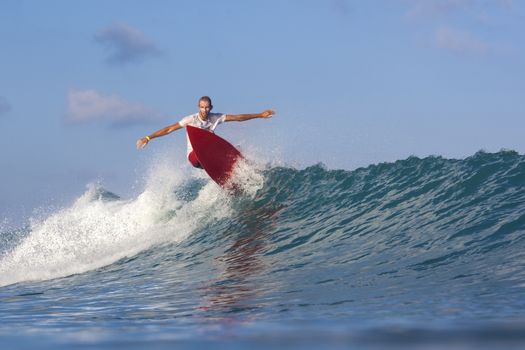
x=419, y=253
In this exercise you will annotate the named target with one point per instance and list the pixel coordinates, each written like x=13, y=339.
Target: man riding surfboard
x=203, y=120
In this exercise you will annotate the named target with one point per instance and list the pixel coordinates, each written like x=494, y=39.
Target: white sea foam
x=99, y=229
x=247, y=177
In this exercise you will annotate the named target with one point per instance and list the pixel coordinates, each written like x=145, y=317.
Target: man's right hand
x=141, y=143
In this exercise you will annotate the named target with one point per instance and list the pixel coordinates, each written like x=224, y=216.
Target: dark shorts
x=193, y=160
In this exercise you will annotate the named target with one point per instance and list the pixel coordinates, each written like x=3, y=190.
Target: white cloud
x=443, y=8
x=424, y=8
x=341, y=6
x=90, y=106
x=125, y=44
x=5, y=107
x=460, y=42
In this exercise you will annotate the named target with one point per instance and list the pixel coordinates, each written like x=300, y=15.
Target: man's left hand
x=267, y=113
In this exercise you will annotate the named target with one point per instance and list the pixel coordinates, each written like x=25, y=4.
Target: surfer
x=204, y=119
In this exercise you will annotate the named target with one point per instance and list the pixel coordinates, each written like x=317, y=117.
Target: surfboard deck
x=216, y=155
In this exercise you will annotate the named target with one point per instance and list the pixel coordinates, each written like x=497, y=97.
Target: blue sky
x=353, y=82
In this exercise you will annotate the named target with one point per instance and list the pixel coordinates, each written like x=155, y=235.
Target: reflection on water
x=241, y=284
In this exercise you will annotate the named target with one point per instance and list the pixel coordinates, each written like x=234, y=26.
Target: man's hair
x=206, y=98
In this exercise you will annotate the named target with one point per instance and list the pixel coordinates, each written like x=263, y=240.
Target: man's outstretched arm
x=242, y=117
x=141, y=143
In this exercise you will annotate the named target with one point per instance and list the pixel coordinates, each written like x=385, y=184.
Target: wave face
x=419, y=241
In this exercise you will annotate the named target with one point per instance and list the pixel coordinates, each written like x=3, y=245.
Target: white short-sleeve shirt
x=210, y=124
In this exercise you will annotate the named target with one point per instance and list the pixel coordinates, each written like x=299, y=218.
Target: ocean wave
x=420, y=221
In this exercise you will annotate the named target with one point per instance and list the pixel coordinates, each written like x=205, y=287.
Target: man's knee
x=194, y=160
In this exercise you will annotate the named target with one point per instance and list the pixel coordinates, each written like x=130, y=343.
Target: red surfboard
x=216, y=155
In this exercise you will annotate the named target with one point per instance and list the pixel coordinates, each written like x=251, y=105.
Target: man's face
x=204, y=109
